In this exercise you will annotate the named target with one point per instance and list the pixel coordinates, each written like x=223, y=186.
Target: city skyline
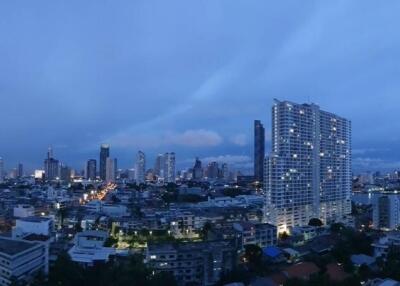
x=158, y=85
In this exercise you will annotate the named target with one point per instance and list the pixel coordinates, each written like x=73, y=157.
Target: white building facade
x=308, y=173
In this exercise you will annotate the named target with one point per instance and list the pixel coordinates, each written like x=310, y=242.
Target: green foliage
x=236, y=275
x=128, y=273
x=315, y=222
x=110, y=241
x=349, y=242
x=232, y=192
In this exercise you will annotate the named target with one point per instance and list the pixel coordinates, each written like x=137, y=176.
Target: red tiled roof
x=336, y=272
x=302, y=270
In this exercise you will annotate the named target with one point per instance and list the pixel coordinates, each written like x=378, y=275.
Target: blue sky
x=191, y=76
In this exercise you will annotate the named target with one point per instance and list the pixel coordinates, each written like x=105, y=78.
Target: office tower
x=225, y=171
x=110, y=170
x=91, y=169
x=169, y=167
x=20, y=170
x=1, y=170
x=212, y=170
x=197, y=170
x=140, y=169
x=259, y=150
x=386, y=211
x=104, y=154
x=65, y=173
x=159, y=166
x=116, y=174
x=51, y=166
x=308, y=173
x=131, y=174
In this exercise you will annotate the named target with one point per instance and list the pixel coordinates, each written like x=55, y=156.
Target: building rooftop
x=12, y=246
x=35, y=219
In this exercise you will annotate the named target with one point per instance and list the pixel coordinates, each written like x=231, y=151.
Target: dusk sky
x=191, y=76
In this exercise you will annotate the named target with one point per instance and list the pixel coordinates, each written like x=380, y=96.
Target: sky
x=191, y=76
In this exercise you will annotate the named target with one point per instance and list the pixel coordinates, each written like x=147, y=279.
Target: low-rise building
x=386, y=211
x=34, y=224
x=20, y=260
x=193, y=262
x=21, y=211
x=89, y=248
x=261, y=234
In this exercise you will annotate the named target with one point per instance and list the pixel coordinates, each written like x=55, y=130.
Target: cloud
x=194, y=138
x=367, y=163
x=363, y=151
x=239, y=139
x=188, y=138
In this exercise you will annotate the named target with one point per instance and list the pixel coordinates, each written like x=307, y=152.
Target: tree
x=253, y=254
x=315, y=222
x=206, y=228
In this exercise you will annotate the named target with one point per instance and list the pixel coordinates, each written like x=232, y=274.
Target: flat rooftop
x=12, y=247
x=35, y=219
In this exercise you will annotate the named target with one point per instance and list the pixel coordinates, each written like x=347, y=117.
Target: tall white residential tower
x=308, y=173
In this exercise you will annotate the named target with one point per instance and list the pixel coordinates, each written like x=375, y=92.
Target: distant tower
x=51, y=166
x=104, y=154
x=20, y=170
x=140, y=169
x=91, y=169
x=259, y=150
x=225, y=171
x=169, y=167
x=1, y=169
x=212, y=170
x=197, y=170
x=159, y=166
x=110, y=170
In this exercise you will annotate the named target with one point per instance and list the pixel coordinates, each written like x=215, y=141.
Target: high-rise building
x=259, y=150
x=212, y=170
x=116, y=173
x=225, y=171
x=104, y=154
x=308, y=173
x=386, y=211
x=197, y=170
x=91, y=166
x=169, y=167
x=110, y=170
x=1, y=169
x=51, y=166
x=20, y=170
x=159, y=166
x=140, y=170
x=65, y=173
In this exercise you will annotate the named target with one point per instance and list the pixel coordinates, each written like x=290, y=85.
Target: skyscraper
x=20, y=170
x=110, y=170
x=1, y=169
x=259, y=150
x=159, y=166
x=169, y=167
x=104, y=154
x=140, y=169
x=91, y=166
x=65, y=173
x=212, y=170
x=308, y=173
x=197, y=170
x=225, y=171
x=51, y=166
